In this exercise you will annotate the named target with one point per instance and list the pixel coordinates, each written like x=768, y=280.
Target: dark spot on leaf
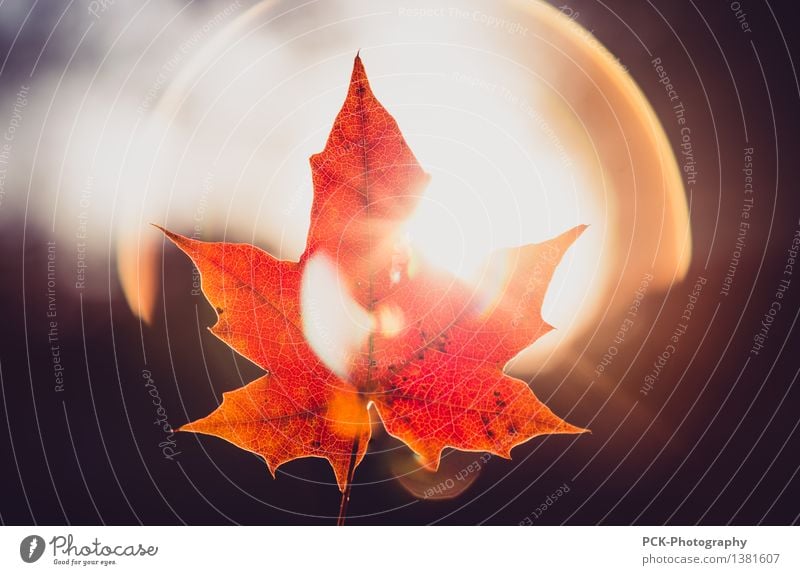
x=219, y=310
x=490, y=434
x=497, y=394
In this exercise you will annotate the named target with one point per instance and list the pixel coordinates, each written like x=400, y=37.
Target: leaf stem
x=346, y=493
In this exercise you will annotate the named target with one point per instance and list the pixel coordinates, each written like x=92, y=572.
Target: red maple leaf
x=435, y=377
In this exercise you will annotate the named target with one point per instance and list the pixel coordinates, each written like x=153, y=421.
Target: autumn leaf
x=433, y=348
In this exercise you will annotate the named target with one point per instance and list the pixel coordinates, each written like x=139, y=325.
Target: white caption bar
x=386, y=550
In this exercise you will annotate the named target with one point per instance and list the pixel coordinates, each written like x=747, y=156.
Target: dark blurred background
x=713, y=442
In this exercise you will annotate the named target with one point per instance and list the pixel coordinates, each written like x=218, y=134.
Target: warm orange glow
x=137, y=265
x=345, y=413
x=524, y=135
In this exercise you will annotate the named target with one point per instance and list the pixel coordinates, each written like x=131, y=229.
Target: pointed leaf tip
x=171, y=235
x=183, y=242
x=359, y=75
